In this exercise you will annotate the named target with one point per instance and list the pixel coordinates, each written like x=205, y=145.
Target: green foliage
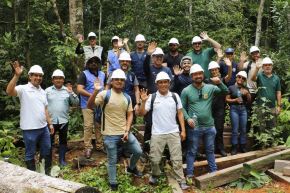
x=251, y=179
x=97, y=177
x=75, y=123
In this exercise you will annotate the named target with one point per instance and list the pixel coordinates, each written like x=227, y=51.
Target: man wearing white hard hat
x=85, y=88
x=151, y=71
x=92, y=49
x=60, y=98
x=269, y=88
x=173, y=58
x=138, y=58
x=34, y=117
x=197, y=109
x=164, y=106
x=203, y=56
x=117, y=121
x=114, y=53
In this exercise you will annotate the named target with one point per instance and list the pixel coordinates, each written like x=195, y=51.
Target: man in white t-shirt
x=165, y=130
x=34, y=117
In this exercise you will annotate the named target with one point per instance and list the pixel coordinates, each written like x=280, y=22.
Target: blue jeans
x=111, y=143
x=34, y=137
x=193, y=136
x=238, y=115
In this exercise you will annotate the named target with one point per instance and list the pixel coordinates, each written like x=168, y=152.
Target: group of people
x=182, y=98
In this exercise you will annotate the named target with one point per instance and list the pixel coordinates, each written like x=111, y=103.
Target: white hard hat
x=162, y=76
x=195, y=68
x=35, y=69
x=57, y=72
x=125, y=56
x=158, y=51
x=267, y=60
x=212, y=65
x=115, y=38
x=243, y=74
x=254, y=49
x=173, y=41
x=140, y=38
x=118, y=74
x=196, y=39
x=92, y=34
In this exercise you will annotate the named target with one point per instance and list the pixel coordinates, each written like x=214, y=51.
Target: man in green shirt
x=269, y=90
x=197, y=109
x=203, y=56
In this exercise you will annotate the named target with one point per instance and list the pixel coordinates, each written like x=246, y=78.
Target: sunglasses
x=119, y=79
x=92, y=38
x=159, y=56
x=172, y=45
x=200, y=94
x=197, y=43
x=37, y=75
x=241, y=77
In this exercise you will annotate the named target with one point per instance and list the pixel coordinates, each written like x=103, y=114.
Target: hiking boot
x=30, y=164
x=114, y=187
x=234, y=150
x=184, y=186
x=223, y=153
x=134, y=171
x=243, y=148
x=62, y=152
x=153, y=180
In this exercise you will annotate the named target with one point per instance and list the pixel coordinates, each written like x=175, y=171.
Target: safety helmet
x=173, y=41
x=115, y=38
x=140, y=38
x=92, y=34
x=243, y=74
x=195, y=68
x=35, y=69
x=212, y=65
x=230, y=50
x=158, y=51
x=162, y=76
x=196, y=39
x=254, y=49
x=125, y=56
x=118, y=74
x=267, y=60
x=57, y=72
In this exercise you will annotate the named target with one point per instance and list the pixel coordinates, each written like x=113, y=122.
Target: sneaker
x=134, y=171
x=153, y=180
x=184, y=186
x=114, y=187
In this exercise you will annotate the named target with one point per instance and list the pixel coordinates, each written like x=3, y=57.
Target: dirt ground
x=76, y=150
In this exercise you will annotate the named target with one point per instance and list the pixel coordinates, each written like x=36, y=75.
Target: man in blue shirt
x=59, y=100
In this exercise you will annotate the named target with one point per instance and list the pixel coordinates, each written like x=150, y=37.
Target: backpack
x=106, y=100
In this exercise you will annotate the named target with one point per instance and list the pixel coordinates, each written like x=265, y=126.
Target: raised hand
x=177, y=70
x=97, y=84
x=80, y=38
x=125, y=40
x=120, y=43
x=151, y=47
x=69, y=88
x=216, y=80
x=143, y=94
x=220, y=53
x=243, y=56
x=228, y=62
x=18, y=69
x=204, y=35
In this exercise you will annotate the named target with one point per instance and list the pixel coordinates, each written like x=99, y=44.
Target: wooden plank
x=286, y=171
x=18, y=179
x=173, y=183
x=278, y=176
x=233, y=173
x=280, y=164
x=201, y=167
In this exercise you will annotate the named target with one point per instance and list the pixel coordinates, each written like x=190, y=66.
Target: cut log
x=173, y=183
x=233, y=173
x=280, y=164
x=278, y=176
x=15, y=179
x=286, y=171
x=201, y=167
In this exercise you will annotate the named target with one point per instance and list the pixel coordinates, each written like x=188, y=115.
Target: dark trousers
x=219, y=121
x=147, y=132
x=62, y=132
x=250, y=111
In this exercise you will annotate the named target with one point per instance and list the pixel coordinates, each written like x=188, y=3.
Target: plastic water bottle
x=239, y=95
x=194, y=118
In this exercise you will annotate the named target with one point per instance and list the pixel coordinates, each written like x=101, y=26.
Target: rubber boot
x=31, y=165
x=234, y=149
x=62, y=152
x=47, y=166
x=243, y=148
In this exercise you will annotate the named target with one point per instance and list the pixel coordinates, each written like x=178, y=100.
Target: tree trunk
x=100, y=21
x=55, y=9
x=259, y=23
x=27, y=45
x=76, y=17
x=190, y=15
